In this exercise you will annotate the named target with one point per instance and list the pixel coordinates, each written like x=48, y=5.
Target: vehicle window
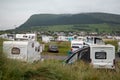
x=32, y=45
x=38, y=48
x=15, y=50
x=100, y=55
x=75, y=46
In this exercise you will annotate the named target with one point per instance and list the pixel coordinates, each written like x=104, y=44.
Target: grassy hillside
x=108, y=28
x=70, y=19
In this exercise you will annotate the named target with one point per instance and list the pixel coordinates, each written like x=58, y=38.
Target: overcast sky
x=15, y=12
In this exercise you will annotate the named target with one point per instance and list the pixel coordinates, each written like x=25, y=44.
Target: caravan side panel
x=15, y=50
x=33, y=51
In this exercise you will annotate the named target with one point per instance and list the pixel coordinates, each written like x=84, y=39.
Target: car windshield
x=75, y=46
x=53, y=46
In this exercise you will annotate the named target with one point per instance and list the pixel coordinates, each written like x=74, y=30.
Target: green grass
x=113, y=42
x=1, y=45
x=63, y=48
x=55, y=70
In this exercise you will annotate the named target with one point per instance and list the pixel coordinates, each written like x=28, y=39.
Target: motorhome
x=76, y=44
x=24, y=48
x=100, y=56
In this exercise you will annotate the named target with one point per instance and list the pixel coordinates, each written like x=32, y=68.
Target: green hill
x=46, y=21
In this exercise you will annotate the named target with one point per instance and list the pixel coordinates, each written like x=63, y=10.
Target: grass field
x=53, y=69
x=63, y=48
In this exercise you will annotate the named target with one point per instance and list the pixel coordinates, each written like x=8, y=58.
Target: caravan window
x=15, y=50
x=100, y=55
x=32, y=45
x=38, y=48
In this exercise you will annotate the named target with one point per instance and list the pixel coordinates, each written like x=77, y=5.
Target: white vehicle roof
x=26, y=36
x=96, y=45
x=16, y=42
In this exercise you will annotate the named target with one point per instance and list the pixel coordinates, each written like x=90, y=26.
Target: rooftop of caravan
x=16, y=42
x=94, y=40
x=26, y=37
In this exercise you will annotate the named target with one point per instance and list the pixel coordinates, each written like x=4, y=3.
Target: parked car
x=53, y=48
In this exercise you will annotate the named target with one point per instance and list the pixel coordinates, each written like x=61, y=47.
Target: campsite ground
x=53, y=69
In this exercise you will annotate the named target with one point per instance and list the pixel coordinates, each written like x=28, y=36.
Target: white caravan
x=93, y=40
x=25, y=48
x=102, y=56
x=28, y=51
x=45, y=39
x=27, y=36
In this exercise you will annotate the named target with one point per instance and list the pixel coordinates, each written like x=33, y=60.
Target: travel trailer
x=100, y=56
x=27, y=36
x=45, y=39
x=28, y=51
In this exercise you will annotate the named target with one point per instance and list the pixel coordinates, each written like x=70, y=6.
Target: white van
x=76, y=44
x=102, y=56
x=28, y=51
x=93, y=40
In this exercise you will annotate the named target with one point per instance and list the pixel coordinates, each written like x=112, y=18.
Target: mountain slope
x=68, y=19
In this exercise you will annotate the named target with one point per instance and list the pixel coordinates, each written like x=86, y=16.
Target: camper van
x=76, y=44
x=100, y=56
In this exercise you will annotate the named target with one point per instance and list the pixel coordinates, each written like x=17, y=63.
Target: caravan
x=25, y=48
x=100, y=56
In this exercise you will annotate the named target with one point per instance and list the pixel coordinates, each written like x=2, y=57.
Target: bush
x=113, y=42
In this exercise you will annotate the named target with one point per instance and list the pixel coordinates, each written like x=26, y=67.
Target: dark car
x=53, y=48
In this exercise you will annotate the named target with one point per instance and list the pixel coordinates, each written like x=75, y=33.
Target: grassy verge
x=55, y=70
